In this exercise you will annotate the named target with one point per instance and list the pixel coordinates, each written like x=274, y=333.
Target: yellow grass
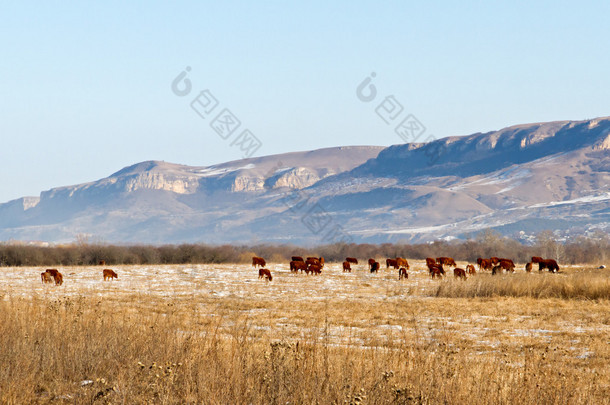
x=219, y=335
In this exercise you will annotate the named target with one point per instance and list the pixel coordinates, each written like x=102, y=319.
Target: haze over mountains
x=518, y=180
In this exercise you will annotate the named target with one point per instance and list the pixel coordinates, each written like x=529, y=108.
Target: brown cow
x=314, y=261
x=470, y=269
x=109, y=274
x=437, y=271
x=459, y=273
x=485, y=264
x=549, y=264
x=430, y=262
x=402, y=273
x=391, y=262
x=258, y=261
x=447, y=261
x=528, y=267
x=402, y=262
x=57, y=276
x=375, y=267
x=315, y=268
x=264, y=273
x=494, y=260
x=351, y=260
x=102, y=262
x=297, y=259
x=296, y=265
x=371, y=261
x=536, y=259
x=507, y=265
x=46, y=277
x=346, y=266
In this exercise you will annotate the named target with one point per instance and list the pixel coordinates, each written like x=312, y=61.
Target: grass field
x=216, y=334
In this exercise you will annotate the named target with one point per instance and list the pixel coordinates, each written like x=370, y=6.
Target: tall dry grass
x=88, y=350
x=581, y=285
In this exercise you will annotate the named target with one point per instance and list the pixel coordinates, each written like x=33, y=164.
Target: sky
x=87, y=88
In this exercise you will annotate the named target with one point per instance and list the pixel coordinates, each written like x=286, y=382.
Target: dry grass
x=205, y=334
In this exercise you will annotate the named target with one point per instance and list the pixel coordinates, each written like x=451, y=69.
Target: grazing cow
x=437, y=271
x=109, y=274
x=459, y=273
x=346, y=266
x=351, y=260
x=470, y=269
x=430, y=262
x=507, y=265
x=494, y=260
x=375, y=267
x=391, y=262
x=447, y=261
x=264, y=273
x=57, y=276
x=402, y=262
x=485, y=264
x=315, y=268
x=536, y=259
x=46, y=277
x=496, y=269
x=549, y=264
x=297, y=259
x=258, y=261
x=371, y=261
x=528, y=267
x=296, y=265
x=402, y=273
x=102, y=262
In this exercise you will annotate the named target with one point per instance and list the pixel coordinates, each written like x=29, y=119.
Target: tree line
x=594, y=249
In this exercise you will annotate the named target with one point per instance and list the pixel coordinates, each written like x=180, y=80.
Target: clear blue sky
x=85, y=87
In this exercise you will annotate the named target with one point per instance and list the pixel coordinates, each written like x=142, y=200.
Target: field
x=217, y=334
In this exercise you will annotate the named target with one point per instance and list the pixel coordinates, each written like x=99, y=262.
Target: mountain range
x=518, y=180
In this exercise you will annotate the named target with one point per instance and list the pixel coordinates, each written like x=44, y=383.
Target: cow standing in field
x=402, y=262
x=57, y=276
x=258, y=261
x=470, y=269
x=46, y=277
x=109, y=274
x=528, y=267
x=437, y=271
x=391, y=262
x=484, y=264
x=536, y=259
x=315, y=269
x=446, y=261
x=351, y=260
x=430, y=262
x=264, y=273
x=313, y=261
x=371, y=261
x=549, y=264
x=459, y=273
x=402, y=273
x=375, y=267
x=507, y=265
x=295, y=266
x=346, y=266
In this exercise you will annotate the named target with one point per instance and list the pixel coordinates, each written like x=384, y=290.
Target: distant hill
x=518, y=180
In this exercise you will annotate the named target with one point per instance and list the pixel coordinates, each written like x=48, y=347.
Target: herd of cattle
x=314, y=265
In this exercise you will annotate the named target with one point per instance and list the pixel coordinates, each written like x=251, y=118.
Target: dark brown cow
x=351, y=260
x=536, y=259
x=296, y=265
x=470, y=269
x=549, y=264
x=297, y=259
x=437, y=271
x=402, y=273
x=109, y=274
x=459, y=273
x=46, y=277
x=485, y=264
x=264, y=273
x=507, y=265
x=375, y=267
x=371, y=261
x=391, y=262
x=102, y=262
x=258, y=261
x=446, y=261
x=528, y=267
x=346, y=266
x=57, y=276
x=402, y=262
x=315, y=269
